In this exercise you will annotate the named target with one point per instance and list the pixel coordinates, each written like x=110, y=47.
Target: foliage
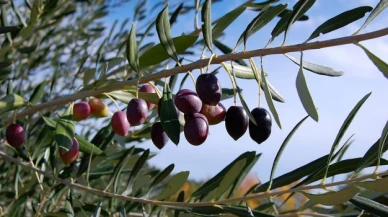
x=57, y=53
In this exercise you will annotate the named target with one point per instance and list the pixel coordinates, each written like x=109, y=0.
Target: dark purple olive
x=208, y=89
x=260, y=132
x=188, y=102
x=146, y=88
x=236, y=122
x=196, y=129
x=137, y=110
x=158, y=136
x=15, y=135
x=119, y=123
x=214, y=114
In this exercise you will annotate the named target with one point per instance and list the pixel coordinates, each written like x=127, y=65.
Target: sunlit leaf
x=333, y=198
x=87, y=147
x=379, y=63
x=11, y=102
x=318, y=69
x=173, y=185
x=232, y=174
x=304, y=93
x=139, y=164
x=158, y=54
x=64, y=130
x=38, y=92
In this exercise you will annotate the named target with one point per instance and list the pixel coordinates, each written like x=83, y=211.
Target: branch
x=183, y=204
x=200, y=64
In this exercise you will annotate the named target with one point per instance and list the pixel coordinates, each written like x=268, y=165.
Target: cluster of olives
x=200, y=109
x=203, y=108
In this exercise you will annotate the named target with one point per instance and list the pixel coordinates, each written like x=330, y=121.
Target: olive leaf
x=333, y=198
x=381, y=6
x=169, y=117
x=304, y=93
x=226, y=20
x=281, y=149
x=206, y=16
x=340, y=21
x=266, y=15
x=370, y=206
x=132, y=51
x=344, y=127
x=173, y=185
x=11, y=102
x=318, y=69
x=64, y=129
x=164, y=33
x=300, y=8
x=380, y=64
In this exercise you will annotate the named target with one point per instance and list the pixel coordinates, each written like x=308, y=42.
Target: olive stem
x=156, y=89
x=256, y=71
x=110, y=97
x=180, y=204
x=233, y=84
x=210, y=60
x=198, y=65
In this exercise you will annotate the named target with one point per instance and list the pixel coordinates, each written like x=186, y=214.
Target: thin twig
x=182, y=204
x=200, y=64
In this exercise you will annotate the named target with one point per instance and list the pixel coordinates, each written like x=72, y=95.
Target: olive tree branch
x=184, y=204
x=200, y=64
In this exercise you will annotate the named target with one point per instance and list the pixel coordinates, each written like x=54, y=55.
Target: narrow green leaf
x=162, y=175
x=64, y=130
x=8, y=29
x=340, y=21
x=333, y=198
x=370, y=206
x=379, y=63
x=226, y=20
x=244, y=72
x=11, y=102
x=232, y=174
x=132, y=51
x=214, y=182
x=318, y=69
x=175, y=14
x=341, y=167
x=139, y=164
x=87, y=147
x=164, y=33
x=175, y=183
x=5, y=70
x=206, y=17
x=370, y=156
x=380, y=7
x=38, y=92
x=169, y=117
x=180, y=198
x=3, y=2
x=158, y=54
x=300, y=8
x=268, y=98
x=344, y=127
x=379, y=185
x=304, y=93
x=383, y=139
x=118, y=168
x=50, y=122
x=281, y=149
x=265, y=16
x=250, y=162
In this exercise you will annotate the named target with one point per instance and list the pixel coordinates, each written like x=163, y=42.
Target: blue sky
x=334, y=96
